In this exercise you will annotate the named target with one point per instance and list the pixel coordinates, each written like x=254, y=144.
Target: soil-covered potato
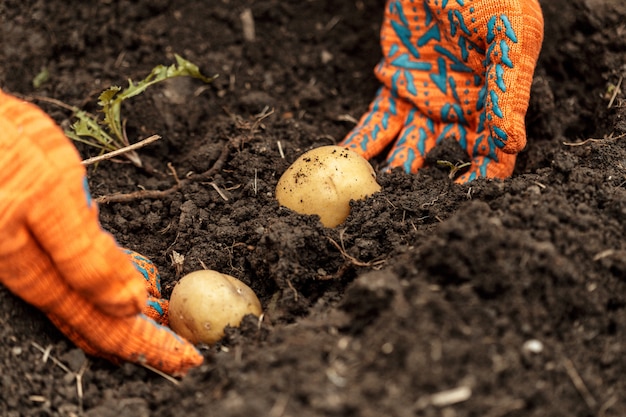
x=204, y=302
x=323, y=180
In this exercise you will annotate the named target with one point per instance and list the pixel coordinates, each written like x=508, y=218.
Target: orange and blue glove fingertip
x=158, y=310
x=148, y=270
x=379, y=126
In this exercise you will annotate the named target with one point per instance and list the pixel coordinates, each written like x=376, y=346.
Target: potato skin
x=204, y=302
x=323, y=180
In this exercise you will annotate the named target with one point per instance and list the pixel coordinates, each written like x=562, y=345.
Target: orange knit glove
x=453, y=68
x=156, y=308
x=54, y=254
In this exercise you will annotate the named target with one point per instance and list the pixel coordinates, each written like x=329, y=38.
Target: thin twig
x=174, y=174
x=332, y=23
x=78, y=376
x=157, y=194
x=79, y=383
x=265, y=113
x=295, y=292
x=579, y=384
x=345, y=254
x=161, y=374
x=351, y=258
x=247, y=24
x=47, y=355
x=584, y=142
x=121, y=151
x=279, y=407
x=280, y=149
x=54, y=101
x=136, y=195
x=607, y=405
x=219, y=191
x=217, y=166
x=255, y=181
x=604, y=254
x=615, y=92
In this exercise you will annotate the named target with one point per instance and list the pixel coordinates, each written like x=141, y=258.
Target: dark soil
x=512, y=294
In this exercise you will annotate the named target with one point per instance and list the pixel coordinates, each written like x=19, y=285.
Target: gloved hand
x=453, y=68
x=55, y=255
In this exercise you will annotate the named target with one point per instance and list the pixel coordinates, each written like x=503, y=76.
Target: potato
x=323, y=180
x=204, y=302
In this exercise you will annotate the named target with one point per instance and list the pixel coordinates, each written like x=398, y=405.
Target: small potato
x=204, y=302
x=323, y=180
